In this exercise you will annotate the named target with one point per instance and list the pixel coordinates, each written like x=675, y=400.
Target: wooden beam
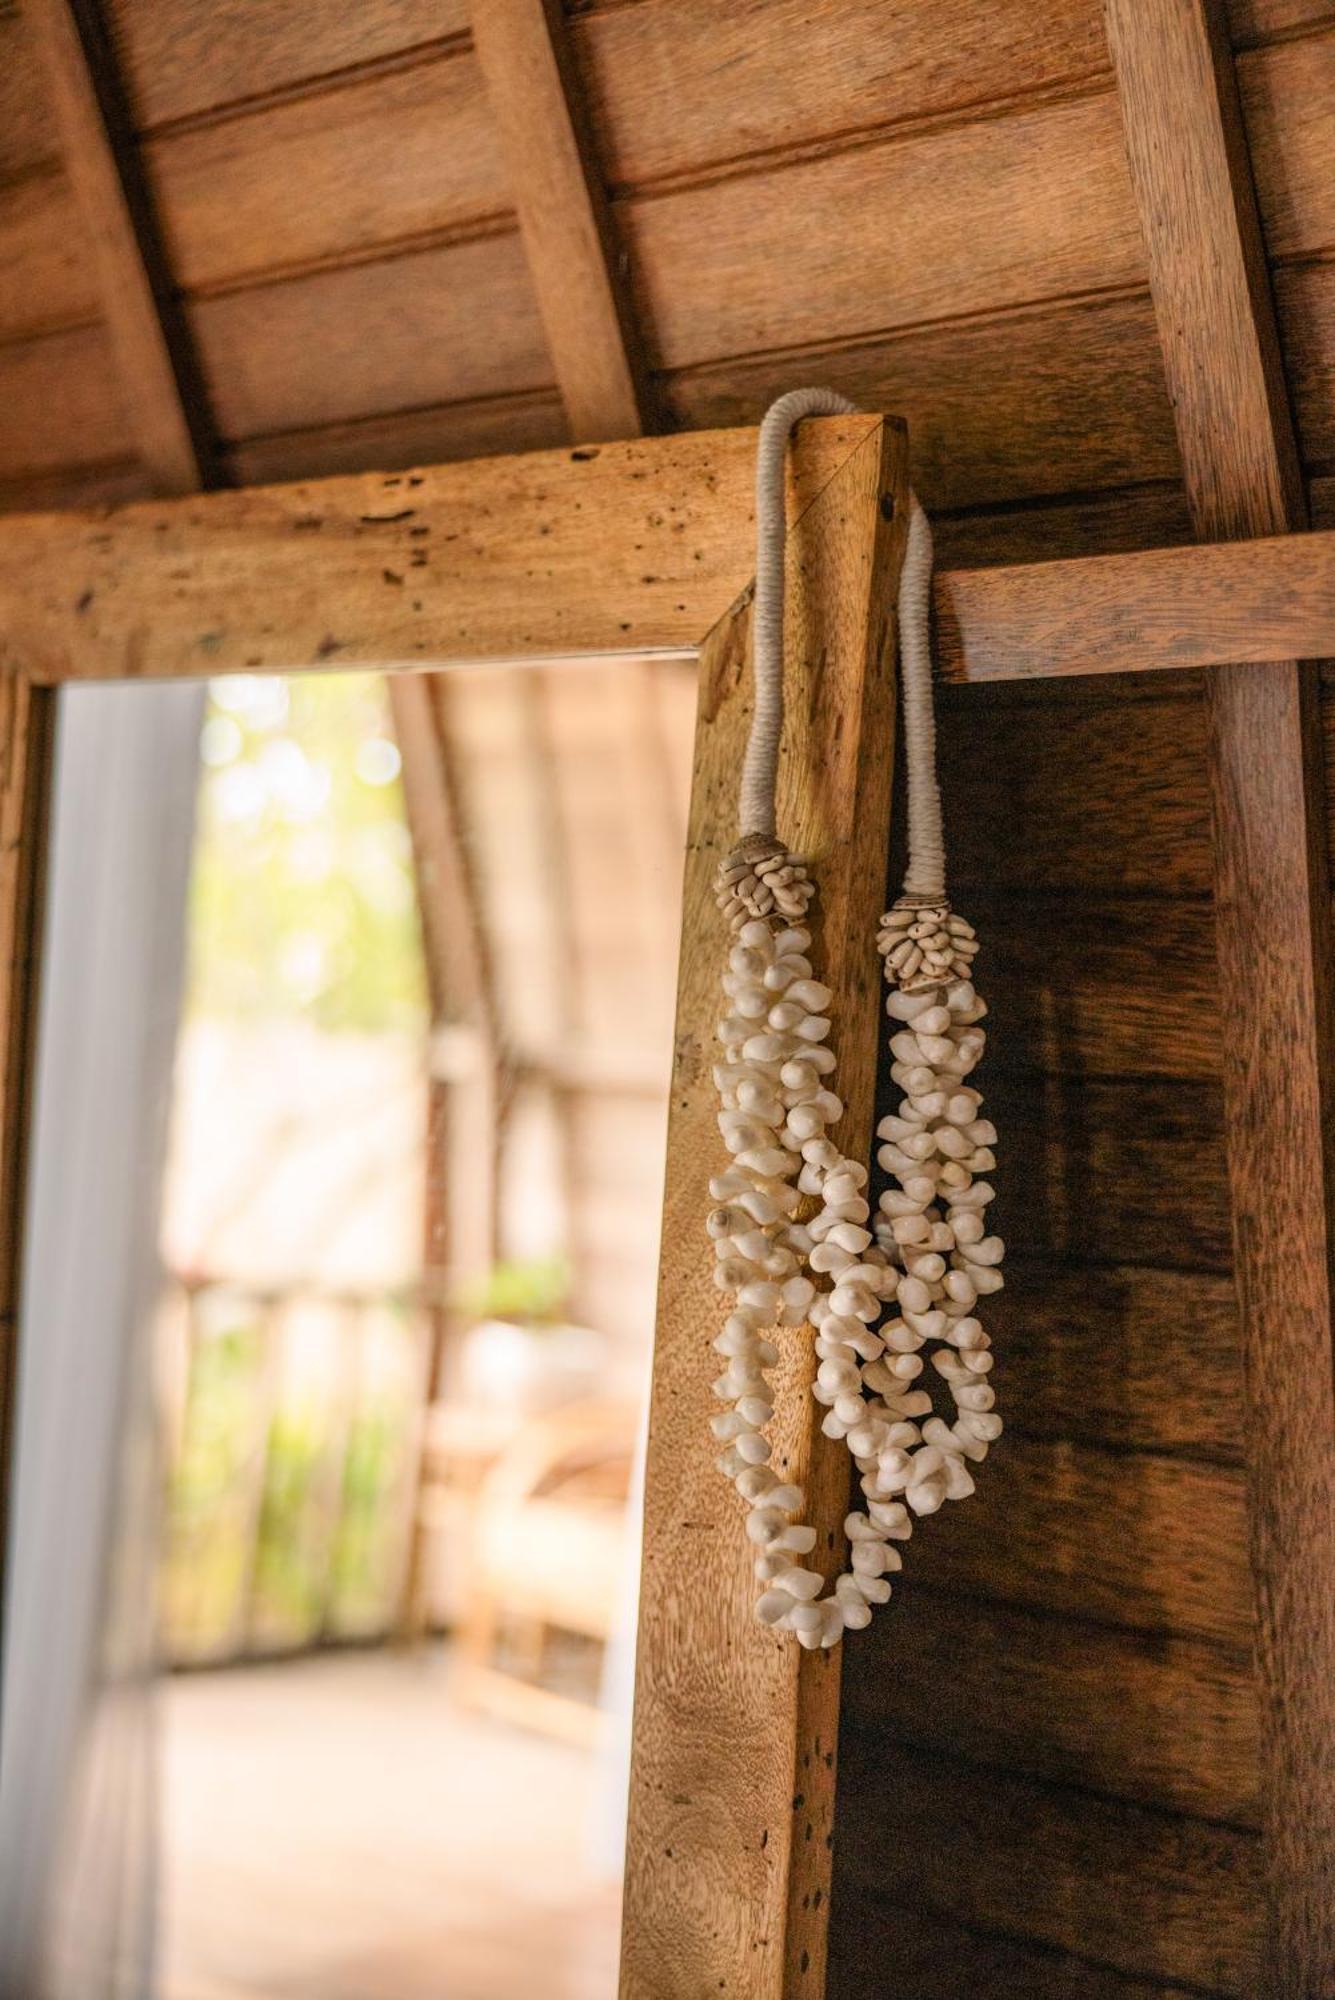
x=563, y=216
x=1158, y=611
x=620, y=548
x=27, y=717
x=163, y=401
x=732, y=1784
x=1189, y=167
x=373, y=574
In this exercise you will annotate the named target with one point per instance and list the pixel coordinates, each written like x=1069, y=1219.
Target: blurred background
x=353, y=1649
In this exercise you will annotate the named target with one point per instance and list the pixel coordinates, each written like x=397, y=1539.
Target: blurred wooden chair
x=550, y=1553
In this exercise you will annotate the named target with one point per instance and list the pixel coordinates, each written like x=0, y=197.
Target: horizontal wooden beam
x=618, y=548
x=622, y=548
x=1162, y=609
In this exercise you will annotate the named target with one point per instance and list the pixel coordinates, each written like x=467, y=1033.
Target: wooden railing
x=293, y=1421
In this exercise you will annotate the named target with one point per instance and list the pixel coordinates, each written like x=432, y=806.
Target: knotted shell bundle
x=795, y=1239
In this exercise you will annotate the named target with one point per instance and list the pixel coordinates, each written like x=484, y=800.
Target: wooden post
x=732, y=1785
x=26, y=733
x=1189, y=166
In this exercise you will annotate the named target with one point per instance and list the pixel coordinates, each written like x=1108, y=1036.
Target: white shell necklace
x=877, y=1290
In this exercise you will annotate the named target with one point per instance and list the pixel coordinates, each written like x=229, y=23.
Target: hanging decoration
x=794, y=1235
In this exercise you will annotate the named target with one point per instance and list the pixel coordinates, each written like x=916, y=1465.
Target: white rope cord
x=924, y=880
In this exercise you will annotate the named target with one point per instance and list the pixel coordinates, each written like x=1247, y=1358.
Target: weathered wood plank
x=182, y=60
x=26, y=736
x=1138, y=517
x=432, y=436
x=935, y=1957
x=1101, y=987
x=28, y=137
x=732, y=1784
x=1045, y=192
x=556, y=560
x=108, y=482
x=1288, y=104
x=1154, y=1543
x=1050, y=399
x=1088, y=1160
x=46, y=257
x=1157, y=1719
x=1254, y=21
x=62, y=404
x=439, y=326
x=563, y=218
x=168, y=424
x=1221, y=354
x=377, y=161
x=679, y=85
x=1131, y=818
x=1099, y=1357
x=1147, y=1893
x=1305, y=301
x=1161, y=609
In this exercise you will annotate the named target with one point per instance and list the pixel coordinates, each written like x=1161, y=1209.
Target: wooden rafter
x=163, y=405
x=1190, y=171
x=563, y=216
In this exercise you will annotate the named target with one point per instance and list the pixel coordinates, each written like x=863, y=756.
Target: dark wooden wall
x=1050, y=1757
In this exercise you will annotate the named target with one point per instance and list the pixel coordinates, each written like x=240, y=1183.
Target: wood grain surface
x=1093, y=1357
x=1059, y=1710
x=224, y=189
x=27, y=721
x=63, y=406
x=1049, y=213
x=1268, y=600
x=1143, y=1892
x=678, y=87
x=496, y=559
x=732, y=1782
x=182, y=60
x=132, y=292
x=567, y=232
x=371, y=337
x=934, y=1953
x=1221, y=353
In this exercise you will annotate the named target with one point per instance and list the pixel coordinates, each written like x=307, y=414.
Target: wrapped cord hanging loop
x=924, y=881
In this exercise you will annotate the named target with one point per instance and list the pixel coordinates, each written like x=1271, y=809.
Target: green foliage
x=207, y=1554
x=533, y=1291
x=302, y=901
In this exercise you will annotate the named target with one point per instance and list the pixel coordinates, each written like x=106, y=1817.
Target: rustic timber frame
x=1248, y=607
x=622, y=550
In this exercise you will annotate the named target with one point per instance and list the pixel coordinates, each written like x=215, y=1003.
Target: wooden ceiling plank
x=563, y=216
x=1208, y=278
x=162, y=405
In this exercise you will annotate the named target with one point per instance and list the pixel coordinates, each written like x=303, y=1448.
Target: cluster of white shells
x=796, y=1243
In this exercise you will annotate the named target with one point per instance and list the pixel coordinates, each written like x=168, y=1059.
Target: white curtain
x=77, y=1781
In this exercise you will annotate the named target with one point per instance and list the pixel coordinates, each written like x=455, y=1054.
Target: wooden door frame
x=622, y=550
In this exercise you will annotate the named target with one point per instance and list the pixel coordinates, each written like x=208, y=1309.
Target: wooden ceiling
x=932, y=209
x=936, y=222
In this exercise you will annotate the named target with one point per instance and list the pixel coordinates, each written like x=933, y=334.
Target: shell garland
x=761, y=878
x=926, y=1254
